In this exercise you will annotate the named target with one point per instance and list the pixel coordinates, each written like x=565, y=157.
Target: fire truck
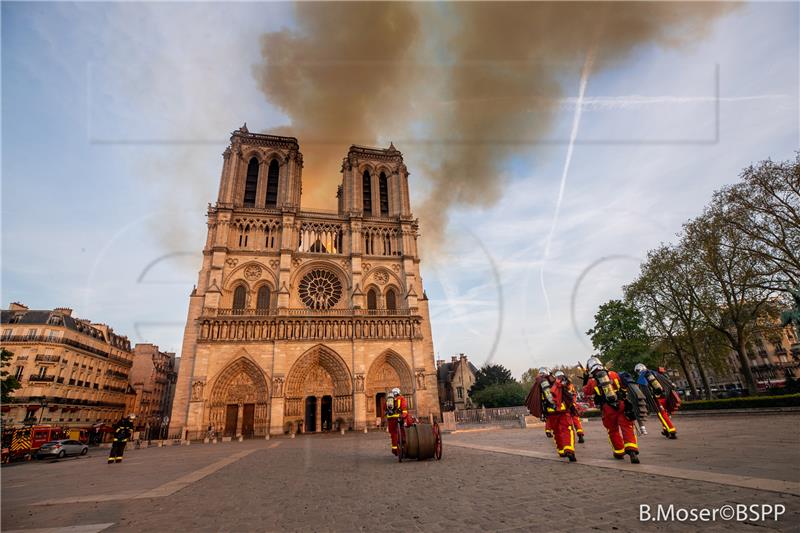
x=24, y=442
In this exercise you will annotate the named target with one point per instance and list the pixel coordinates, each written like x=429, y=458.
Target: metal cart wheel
x=437, y=448
x=400, y=443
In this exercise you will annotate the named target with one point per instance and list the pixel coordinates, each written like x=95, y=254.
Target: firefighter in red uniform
x=661, y=390
x=576, y=418
x=396, y=415
x=548, y=424
x=609, y=394
x=122, y=432
x=561, y=416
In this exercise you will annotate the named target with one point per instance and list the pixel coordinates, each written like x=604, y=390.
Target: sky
x=114, y=118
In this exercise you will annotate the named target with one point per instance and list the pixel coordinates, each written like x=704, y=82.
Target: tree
x=509, y=394
x=9, y=383
x=765, y=206
x=619, y=336
x=490, y=375
x=730, y=283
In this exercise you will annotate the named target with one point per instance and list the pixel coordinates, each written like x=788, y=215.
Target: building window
x=239, y=298
x=391, y=299
x=460, y=391
x=383, y=188
x=31, y=333
x=272, y=184
x=366, y=193
x=18, y=373
x=372, y=299
x=42, y=371
x=6, y=334
x=251, y=183
x=262, y=299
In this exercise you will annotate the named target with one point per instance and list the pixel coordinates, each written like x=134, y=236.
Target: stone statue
x=792, y=316
x=197, y=391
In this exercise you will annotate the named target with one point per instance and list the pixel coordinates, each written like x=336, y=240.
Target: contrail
x=576, y=121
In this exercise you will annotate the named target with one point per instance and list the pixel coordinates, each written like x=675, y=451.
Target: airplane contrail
x=576, y=121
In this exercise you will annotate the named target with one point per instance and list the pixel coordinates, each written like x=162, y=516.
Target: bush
x=749, y=402
x=501, y=395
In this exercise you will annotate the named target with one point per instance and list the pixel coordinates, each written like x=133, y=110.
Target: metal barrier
x=495, y=416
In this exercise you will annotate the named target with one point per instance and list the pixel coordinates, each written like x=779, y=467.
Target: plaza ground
x=495, y=480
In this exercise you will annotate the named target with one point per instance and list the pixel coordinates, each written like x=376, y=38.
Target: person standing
x=396, y=416
x=561, y=417
x=123, y=430
x=576, y=418
x=610, y=395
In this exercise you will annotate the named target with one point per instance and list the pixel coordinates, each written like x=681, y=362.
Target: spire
x=244, y=129
x=391, y=147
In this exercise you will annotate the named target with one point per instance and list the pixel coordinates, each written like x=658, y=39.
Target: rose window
x=320, y=289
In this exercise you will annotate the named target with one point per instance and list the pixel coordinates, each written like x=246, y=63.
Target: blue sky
x=114, y=117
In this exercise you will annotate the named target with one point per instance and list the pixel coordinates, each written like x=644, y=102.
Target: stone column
x=319, y=414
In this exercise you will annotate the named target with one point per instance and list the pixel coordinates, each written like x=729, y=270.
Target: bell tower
x=374, y=183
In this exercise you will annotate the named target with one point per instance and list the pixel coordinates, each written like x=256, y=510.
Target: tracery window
x=320, y=289
x=372, y=299
x=251, y=183
x=383, y=189
x=239, y=298
x=272, y=183
x=366, y=193
x=391, y=299
x=262, y=298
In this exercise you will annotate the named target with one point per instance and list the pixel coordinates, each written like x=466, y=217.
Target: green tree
x=9, y=382
x=509, y=394
x=490, y=375
x=619, y=336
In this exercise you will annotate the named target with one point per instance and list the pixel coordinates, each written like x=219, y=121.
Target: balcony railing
x=68, y=342
x=42, y=378
x=46, y=358
x=311, y=313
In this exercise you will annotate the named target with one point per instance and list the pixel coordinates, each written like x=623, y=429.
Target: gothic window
x=262, y=299
x=272, y=184
x=244, y=235
x=391, y=299
x=384, y=194
x=372, y=299
x=320, y=289
x=251, y=183
x=366, y=191
x=239, y=297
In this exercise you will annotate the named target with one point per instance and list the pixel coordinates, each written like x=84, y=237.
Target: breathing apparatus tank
x=658, y=390
x=390, y=404
x=605, y=386
x=546, y=392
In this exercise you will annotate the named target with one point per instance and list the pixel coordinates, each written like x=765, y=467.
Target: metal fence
x=496, y=416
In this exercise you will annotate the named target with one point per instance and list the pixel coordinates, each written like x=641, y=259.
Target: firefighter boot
x=580, y=438
x=571, y=456
x=673, y=435
x=634, y=455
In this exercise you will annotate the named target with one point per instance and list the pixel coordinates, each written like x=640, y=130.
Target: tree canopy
x=489, y=375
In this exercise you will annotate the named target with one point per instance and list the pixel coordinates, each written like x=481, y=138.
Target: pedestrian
x=610, y=394
x=123, y=430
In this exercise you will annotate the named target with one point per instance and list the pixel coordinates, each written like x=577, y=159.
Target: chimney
x=16, y=306
x=66, y=311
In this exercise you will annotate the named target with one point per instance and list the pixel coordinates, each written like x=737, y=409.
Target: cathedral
x=303, y=319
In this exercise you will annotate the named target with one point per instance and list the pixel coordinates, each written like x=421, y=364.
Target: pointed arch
x=239, y=298
x=251, y=183
x=372, y=299
x=330, y=361
x=383, y=189
x=391, y=298
x=387, y=371
x=262, y=298
x=241, y=382
x=273, y=179
x=366, y=192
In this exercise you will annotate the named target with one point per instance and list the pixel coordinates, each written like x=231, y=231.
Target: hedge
x=748, y=402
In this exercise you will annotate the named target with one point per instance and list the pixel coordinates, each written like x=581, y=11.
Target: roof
x=41, y=317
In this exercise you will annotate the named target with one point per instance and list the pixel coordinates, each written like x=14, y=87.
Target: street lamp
x=43, y=403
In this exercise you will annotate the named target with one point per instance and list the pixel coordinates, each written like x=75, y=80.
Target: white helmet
x=559, y=374
x=639, y=368
x=395, y=391
x=593, y=364
x=132, y=416
x=543, y=371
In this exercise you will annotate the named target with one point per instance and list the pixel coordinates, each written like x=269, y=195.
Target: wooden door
x=248, y=419
x=326, y=412
x=231, y=418
x=311, y=414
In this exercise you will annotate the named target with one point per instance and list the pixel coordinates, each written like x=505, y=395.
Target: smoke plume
x=465, y=85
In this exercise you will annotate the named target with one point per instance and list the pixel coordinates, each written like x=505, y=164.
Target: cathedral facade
x=304, y=319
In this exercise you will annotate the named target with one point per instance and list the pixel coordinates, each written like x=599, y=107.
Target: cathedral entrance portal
x=248, y=420
x=380, y=407
x=239, y=401
x=311, y=414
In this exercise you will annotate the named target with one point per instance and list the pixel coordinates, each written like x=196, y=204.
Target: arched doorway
x=239, y=402
x=322, y=374
x=388, y=370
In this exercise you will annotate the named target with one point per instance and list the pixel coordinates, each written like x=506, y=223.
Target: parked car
x=62, y=448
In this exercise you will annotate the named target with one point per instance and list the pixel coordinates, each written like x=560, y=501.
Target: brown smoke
x=480, y=80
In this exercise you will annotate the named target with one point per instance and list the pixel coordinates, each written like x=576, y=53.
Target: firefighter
x=561, y=417
x=576, y=419
x=610, y=395
x=660, y=390
x=396, y=416
x=122, y=432
x=544, y=373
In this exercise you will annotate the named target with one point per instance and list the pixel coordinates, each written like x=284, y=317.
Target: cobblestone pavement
x=352, y=483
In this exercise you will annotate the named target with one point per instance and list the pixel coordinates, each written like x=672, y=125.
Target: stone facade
x=455, y=379
x=304, y=318
x=73, y=373
x=153, y=377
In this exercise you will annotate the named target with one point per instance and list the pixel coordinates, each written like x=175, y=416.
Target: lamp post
x=43, y=403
